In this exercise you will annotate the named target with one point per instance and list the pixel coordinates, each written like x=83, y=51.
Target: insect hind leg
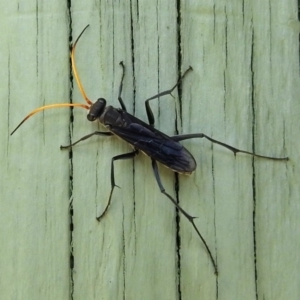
x=112, y=177
x=150, y=115
x=189, y=217
x=182, y=137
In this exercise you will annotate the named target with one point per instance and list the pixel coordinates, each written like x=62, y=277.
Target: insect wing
x=158, y=146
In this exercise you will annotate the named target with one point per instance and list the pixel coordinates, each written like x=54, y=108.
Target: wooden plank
x=34, y=172
x=117, y=256
x=236, y=54
x=243, y=90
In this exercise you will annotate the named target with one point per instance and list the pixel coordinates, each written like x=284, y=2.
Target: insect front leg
x=182, y=137
x=150, y=115
x=105, y=133
x=121, y=87
x=112, y=176
x=189, y=217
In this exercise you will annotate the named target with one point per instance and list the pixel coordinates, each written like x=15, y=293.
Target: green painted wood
x=243, y=90
x=34, y=172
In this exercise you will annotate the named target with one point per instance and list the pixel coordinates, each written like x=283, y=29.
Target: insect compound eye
x=91, y=117
x=96, y=109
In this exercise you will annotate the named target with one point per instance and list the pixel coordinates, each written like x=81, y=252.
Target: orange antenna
x=65, y=104
x=50, y=106
x=75, y=70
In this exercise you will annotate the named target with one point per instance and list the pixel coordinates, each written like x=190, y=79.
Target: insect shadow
x=142, y=137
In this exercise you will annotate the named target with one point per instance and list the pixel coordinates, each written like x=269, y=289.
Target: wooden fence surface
x=244, y=90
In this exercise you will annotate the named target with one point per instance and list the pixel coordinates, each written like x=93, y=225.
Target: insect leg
x=112, y=176
x=189, y=217
x=167, y=92
x=182, y=137
x=121, y=87
x=105, y=133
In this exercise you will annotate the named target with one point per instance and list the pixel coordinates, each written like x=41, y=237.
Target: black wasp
x=142, y=137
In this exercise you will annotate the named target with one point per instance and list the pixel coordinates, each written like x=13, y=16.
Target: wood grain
x=244, y=90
